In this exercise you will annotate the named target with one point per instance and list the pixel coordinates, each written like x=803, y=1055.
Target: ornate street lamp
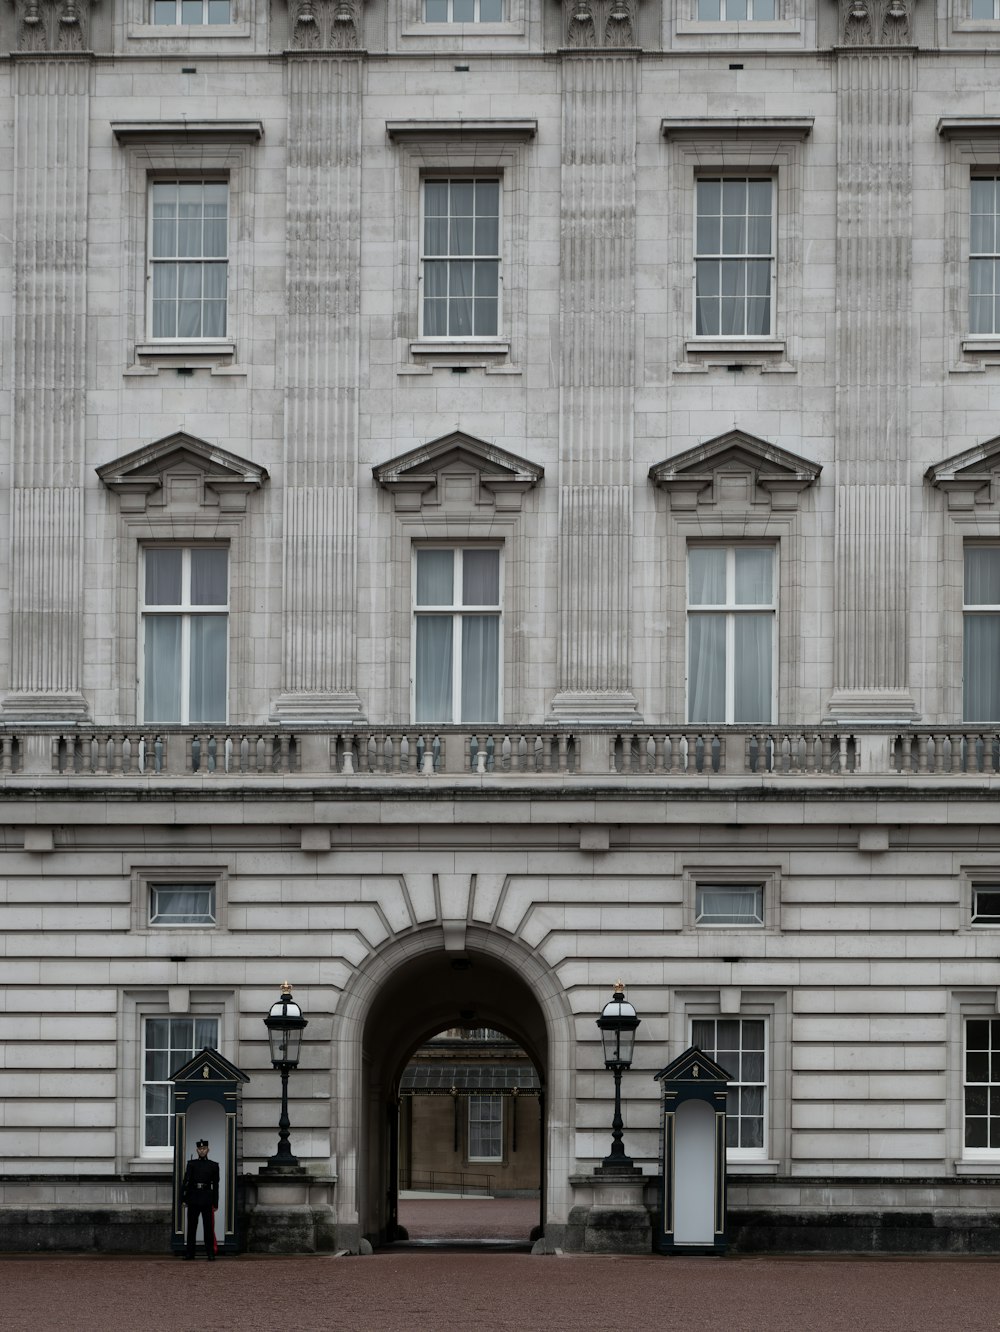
x=285, y=1025
x=618, y=1022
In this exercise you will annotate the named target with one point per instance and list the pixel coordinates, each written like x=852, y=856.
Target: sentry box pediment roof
x=771, y=475
x=208, y=1066
x=463, y=465
x=227, y=478
x=693, y=1066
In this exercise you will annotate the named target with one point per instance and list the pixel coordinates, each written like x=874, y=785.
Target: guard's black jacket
x=201, y=1183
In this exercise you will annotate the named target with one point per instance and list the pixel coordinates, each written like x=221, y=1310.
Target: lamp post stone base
x=290, y=1210
x=616, y=1219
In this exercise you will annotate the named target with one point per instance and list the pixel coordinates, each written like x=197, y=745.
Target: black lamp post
x=285, y=1025
x=618, y=1022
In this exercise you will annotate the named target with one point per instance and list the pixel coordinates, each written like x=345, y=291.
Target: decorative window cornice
x=187, y=131
x=969, y=478
x=735, y=464
x=139, y=476
x=485, y=131
x=737, y=127
x=418, y=478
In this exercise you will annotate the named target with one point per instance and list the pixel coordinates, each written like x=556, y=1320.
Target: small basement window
x=729, y=904
x=182, y=904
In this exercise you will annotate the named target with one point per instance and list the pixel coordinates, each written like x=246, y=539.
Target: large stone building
x=501, y=495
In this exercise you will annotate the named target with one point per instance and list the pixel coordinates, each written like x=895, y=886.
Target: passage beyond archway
x=418, y=989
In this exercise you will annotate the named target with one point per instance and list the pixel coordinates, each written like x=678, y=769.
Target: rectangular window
x=193, y=13
x=185, y=634
x=986, y=904
x=731, y=633
x=734, y=256
x=485, y=1128
x=188, y=258
x=984, y=255
x=729, y=904
x=739, y=1045
x=456, y=643
x=982, y=1085
x=168, y=1043
x=736, y=11
x=460, y=259
x=984, y=10
x=463, y=11
x=981, y=646
x=182, y=904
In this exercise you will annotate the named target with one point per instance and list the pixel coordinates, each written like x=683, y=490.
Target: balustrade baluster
x=562, y=741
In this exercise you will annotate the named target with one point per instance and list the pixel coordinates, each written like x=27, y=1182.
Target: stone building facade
x=502, y=495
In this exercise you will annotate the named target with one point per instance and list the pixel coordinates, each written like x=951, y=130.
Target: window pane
x=209, y=576
x=462, y=198
x=435, y=11
x=164, y=11
x=206, y=1034
x=763, y=11
x=162, y=668
x=182, y=904
x=491, y=11
x=753, y=575
x=209, y=645
x=480, y=577
x=218, y=11
x=433, y=668
x=706, y=668
x=709, y=10
x=982, y=575
x=982, y=668
x=435, y=235
x=435, y=578
x=752, y=666
x=736, y=11
x=163, y=576
x=986, y=906
x=463, y=11
x=480, y=668
x=706, y=576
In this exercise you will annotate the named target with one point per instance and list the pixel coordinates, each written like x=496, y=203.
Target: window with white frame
x=485, y=1128
x=193, y=13
x=731, y=633
x=985, y=904
x=463, y=11
x=736, y=11
x=167, y=1044
x=456, y=633
x=984, y=255
x=739, y=1045
x=734, y=256
x=981, y=1087
x=184, y=643
x=460, y=258
x=180, y=904
x=188, y=252
x=729, y=904
x=981, y=637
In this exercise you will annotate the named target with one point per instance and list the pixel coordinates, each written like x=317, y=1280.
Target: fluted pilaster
x=597, y=378
x=874, y=355
x=321, y=386
x=50, y=306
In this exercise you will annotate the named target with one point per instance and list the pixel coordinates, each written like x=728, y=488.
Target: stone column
x=321, y=378
x=874, y=368
x=597, y=371
x=52, y=122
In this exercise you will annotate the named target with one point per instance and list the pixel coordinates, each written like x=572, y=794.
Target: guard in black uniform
x=200, y=1191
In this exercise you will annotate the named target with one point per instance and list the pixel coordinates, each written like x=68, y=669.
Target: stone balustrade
x=588, y=750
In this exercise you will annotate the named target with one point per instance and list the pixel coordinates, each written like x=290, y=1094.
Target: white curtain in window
x=183, y=905
x=209, y=576
x=435, y=577
x=706, y=576
x=752, y=667
x=982, y=668
x=207, y=699
x=481, y=577
x=730, y=906
x=706, y=668
x=162, y=669
x=163, y=576
x=433, y=668
x=480, y=668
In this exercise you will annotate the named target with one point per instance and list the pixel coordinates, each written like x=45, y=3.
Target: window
x=739, y=1045
x=182, y=904
x=734, y=256
x=456, y=645
x=463, y=11
x=984, y=10
x=986, y=904
x=981, y=647
x=982, y=1085
x=185, y=634
x=731, y=633
x=188, y=258
x=460, y=259
x=175, y=13
x=736, y=11
x=729, y=904
x=984, y=255
x=485, y=1128
x=168, y=1042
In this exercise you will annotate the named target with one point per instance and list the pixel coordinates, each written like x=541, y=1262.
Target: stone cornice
x=187, y=131
x=507, y=131
x=737, y=127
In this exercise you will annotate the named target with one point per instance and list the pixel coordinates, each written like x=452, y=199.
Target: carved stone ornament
x=53, y=25
x=599, y=24
x=325, y=25
x=876, y=22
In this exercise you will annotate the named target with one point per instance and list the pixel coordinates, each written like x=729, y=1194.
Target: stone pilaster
x=321, y=387
x=49, y=401
x=597, y=379
x=874, y=372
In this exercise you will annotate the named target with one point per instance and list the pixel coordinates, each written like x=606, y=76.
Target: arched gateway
x=412, y=988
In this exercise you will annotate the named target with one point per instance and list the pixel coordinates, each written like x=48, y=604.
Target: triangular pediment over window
x=182, y=472
x=971, y=478
x=735, y=471
x=455, y=473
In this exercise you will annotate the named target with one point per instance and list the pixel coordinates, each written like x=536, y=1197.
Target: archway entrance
x=410, y=992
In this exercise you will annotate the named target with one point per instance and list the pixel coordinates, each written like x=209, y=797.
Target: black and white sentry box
x=208, y=1103
x=692, y=1154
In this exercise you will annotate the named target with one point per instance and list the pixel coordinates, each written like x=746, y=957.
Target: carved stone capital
x=325, y=25
x=53, y=25
x=599, y=24
x=876, y=22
